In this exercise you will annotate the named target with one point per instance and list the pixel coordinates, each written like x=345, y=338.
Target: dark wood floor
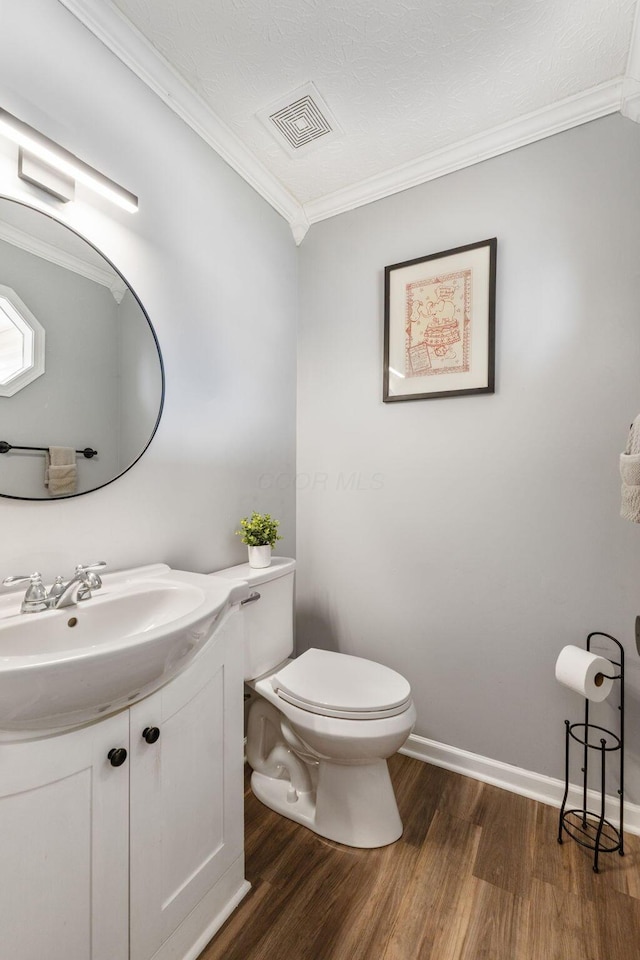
x=477, y=875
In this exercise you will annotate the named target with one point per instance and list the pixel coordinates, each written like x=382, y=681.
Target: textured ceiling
x=404, y=78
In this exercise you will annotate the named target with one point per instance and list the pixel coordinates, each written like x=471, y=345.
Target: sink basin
x=62, y=668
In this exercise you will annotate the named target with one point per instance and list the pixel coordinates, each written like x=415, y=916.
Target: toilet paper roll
x=585, y=673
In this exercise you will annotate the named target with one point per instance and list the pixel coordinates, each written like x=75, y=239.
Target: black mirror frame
x=82, y=493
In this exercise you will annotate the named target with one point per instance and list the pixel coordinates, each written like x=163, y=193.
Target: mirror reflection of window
x=16, y=343
x=21, y=344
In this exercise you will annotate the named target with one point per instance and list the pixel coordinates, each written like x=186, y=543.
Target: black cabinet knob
x=117, y=756
x=151, y=734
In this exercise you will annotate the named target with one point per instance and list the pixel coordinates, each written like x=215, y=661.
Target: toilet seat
x=338, y=685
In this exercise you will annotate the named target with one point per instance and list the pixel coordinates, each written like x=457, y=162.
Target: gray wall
x=214, y=266
x=464, y=541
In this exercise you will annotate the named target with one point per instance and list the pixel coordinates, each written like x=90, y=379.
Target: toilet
x=321, y=726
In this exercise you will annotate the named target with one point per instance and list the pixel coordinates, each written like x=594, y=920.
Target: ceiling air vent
x=300, y=120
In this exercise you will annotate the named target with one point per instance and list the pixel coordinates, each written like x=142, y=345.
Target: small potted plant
x=259, y=532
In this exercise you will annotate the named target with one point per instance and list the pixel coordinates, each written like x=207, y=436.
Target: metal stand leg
x=566, y=779
x=603, y=755
x=585, y=765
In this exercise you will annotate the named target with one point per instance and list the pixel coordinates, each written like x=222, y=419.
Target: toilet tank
x=268, y=622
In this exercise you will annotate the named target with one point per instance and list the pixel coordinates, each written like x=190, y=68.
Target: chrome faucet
x=78, y=588
x=62, y=593
x=73, y=591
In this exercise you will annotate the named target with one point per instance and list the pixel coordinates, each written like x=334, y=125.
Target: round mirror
x=81, y=375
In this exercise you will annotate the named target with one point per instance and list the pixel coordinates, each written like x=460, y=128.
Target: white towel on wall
x=60, y=471
x=630, y=473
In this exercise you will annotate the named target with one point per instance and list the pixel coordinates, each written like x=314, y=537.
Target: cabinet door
x=64, y=846
x=186, y=790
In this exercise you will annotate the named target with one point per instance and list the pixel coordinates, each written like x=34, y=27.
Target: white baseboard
x=524, y=782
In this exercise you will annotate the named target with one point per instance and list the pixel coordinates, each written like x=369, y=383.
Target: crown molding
x=581, y=108
x=47, y=251
x=630, y=106
x=120, y=36
x=123, y=39
x=633, y=60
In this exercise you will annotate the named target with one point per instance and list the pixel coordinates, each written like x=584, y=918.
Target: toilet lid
x=338, y=685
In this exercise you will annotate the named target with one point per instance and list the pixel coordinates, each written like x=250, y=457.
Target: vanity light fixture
x=38, y=153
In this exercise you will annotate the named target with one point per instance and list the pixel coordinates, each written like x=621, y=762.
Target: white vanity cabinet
x=137, y=861
x=186, y=803
x=64, y=842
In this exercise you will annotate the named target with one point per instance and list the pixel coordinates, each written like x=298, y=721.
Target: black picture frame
x=439, y=324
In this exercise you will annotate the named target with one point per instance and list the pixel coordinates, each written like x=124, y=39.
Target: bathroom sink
x=64, y=667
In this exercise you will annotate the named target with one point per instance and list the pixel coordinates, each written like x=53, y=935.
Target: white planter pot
x=259, y=556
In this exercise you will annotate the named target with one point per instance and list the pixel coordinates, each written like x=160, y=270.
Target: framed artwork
x=439, y=324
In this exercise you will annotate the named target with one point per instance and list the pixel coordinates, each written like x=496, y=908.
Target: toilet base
x=274, y=794
x=353, y=804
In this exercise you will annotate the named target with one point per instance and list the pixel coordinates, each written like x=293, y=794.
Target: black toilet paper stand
x=593, y=830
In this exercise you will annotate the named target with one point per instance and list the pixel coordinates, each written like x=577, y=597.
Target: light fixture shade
x=43, y=175
x=51, y=153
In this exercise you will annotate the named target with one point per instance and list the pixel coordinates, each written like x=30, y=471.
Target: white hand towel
x=630, y=473
x=61, y=471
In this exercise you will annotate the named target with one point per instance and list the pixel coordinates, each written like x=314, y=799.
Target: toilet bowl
x=321, y=726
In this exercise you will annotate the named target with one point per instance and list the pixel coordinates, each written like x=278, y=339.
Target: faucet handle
x=10, y=580
x=34, y=578
x=36, y=596
x=93, y=580
x=36, y=592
